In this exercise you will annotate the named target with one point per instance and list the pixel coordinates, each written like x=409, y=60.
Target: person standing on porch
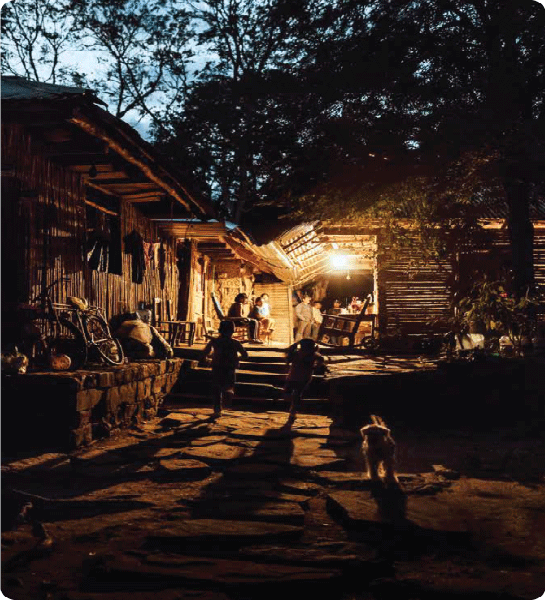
x=225, y=360
x=305, y=318
x=266, y=311
x=317, y=318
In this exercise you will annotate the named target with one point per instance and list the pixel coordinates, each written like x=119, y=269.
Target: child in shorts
x=303, y=357
x=225, y=360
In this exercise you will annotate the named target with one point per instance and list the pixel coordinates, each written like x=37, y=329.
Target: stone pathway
x=244, y=507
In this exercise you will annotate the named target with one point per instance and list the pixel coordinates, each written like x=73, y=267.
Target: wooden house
x=79, y=190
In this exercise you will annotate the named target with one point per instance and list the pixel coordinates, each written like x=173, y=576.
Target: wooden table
x=179, y=332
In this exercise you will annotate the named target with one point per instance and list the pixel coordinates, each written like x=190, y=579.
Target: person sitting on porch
x=336, y=308
x=305, y=318
x=239, y=313
x=266, y=324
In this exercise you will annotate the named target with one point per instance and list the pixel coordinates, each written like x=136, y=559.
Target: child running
x=303, y=362
x=224, y=364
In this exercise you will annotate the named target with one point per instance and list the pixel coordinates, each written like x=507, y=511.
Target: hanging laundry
x=98, y=253
x=148, y=253
x=162, y=264
x=134, y=245
x=156, y=248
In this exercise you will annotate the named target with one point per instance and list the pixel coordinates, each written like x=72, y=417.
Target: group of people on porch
x=309, y=315
x=256, y=316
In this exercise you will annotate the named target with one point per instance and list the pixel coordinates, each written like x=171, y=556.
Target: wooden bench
x=346, y=326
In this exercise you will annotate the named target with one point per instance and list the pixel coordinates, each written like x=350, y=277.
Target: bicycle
x=78, y=331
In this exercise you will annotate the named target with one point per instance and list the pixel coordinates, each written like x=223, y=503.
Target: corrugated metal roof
x=19, y=88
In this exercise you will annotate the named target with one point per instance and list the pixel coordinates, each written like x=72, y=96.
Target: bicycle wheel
x=68, y=340
x=103, y=344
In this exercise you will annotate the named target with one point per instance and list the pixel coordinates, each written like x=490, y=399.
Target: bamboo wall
x=281, y=310
x=44, y=233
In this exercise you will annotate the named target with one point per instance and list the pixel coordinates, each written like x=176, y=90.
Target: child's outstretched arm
x=205, y=353
x=290, y=352
x=242, y=351
x=207, y=350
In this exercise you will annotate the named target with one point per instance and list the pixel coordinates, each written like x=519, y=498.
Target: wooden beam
x=102, y=208
x=141, y=199
x=140, y=158
x=101, y=189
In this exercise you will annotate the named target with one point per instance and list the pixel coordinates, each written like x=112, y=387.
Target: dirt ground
x=243, y=507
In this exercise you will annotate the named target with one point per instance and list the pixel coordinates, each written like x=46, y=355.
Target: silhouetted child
x=302, y=361
x=224, y=364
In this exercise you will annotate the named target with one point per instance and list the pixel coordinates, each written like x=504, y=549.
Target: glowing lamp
x=338, y=261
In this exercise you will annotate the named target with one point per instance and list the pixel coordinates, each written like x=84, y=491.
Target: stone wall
x=70, y=409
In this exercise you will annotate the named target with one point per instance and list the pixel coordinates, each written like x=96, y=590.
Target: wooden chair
x=242, y=330
x=346, y=326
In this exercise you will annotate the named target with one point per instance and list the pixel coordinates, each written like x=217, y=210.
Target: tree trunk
x=521, y=233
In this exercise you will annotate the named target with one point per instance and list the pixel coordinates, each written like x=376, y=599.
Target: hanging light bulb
x=348, y=275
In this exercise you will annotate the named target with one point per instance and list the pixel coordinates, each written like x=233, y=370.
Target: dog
x=378, y=449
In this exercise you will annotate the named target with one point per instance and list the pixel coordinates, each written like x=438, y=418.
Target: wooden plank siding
x=281, y=310
x=412, y=292
x=46, y=227
x=539, y=260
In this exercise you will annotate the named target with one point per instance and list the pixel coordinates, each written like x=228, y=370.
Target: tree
x=244, y=113
x=36, y=36
x=450, y=80
x=133, y=53
x=143, y=46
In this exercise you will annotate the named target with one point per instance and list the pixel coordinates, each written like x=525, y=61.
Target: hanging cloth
x=134, y=245
x=162, y=264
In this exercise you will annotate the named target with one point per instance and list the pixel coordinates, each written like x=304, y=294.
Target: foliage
x=501, y=312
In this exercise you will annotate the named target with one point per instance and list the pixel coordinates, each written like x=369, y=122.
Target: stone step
x=246, y=376
x=191, y=399
x=242, y=389
x=220, y=533
x=279, y=367
x=250, y=509
x=246, y=578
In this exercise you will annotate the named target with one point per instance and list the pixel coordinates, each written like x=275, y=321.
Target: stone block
x=144, y=388
x=89, y=380
x=159, y=384
x=80, y=419
x=171, y=380
x=80, y=437
x=119, y=375
x=142, y=371
x=128, y=392
x=112, y=399
x=131, y=374
x=163, y=367
x=86, y=399
x=106, y=379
